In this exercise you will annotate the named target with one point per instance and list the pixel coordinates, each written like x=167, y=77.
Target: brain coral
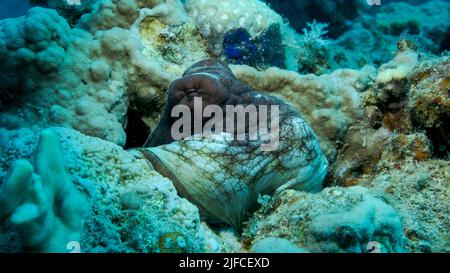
x=215, y=18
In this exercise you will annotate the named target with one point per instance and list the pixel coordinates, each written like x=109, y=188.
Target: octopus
x=224, y=175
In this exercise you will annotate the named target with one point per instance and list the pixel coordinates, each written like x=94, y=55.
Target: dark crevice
x=438, y=136
x=440, y=139
x=136, y=129
x=445, y=44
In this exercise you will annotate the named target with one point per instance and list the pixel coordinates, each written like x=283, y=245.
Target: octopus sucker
x=223, y=175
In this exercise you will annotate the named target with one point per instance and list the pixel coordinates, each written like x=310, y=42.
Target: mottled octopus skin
x=224, y=177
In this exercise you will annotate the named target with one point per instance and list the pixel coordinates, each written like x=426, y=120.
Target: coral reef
x=334, y=220
x=54, y=75
x=108, y=14
x=314, y=52
x=131, y=207
x=380, y=148
x=384, y=113
x=174, y=47
x=170, y=12
x=397, y=18
x=72, y=10
x=371, y=37
x=393, y=158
